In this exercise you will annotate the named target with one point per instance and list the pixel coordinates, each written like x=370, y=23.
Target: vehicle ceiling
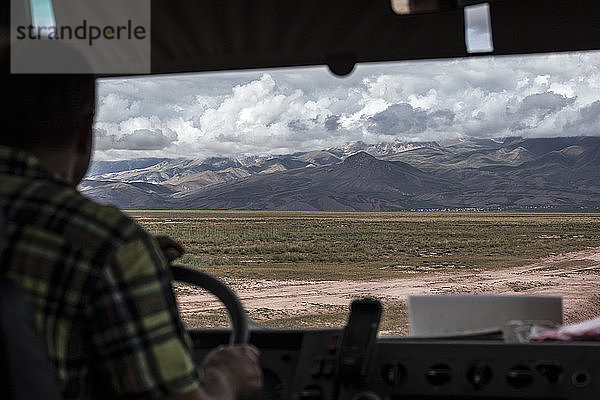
x=211, y=35
x=205, y=35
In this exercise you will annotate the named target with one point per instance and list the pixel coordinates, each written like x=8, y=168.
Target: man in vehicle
x=98, y=283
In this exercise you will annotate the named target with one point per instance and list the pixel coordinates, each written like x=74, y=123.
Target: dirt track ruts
x=574, y=276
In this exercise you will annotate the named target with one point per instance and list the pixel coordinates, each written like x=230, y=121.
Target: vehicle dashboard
x=304, y=364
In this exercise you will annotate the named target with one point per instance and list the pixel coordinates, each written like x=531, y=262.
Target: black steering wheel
x=237, y=314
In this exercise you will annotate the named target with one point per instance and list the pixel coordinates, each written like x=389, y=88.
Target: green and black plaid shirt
x=98, y=283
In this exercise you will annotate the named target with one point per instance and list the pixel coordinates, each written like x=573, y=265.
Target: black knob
x=479, y=375
x=551, y=370
x=366, y=396
x=580, y=378
x=311, y=392
x=519, y=376
x=393, y=373
x=438, y=374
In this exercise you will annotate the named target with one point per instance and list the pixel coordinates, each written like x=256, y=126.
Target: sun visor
x=217, y=35
x=538, y=26
x=211, y=35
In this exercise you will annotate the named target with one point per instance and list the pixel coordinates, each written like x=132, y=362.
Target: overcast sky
x=289, y=110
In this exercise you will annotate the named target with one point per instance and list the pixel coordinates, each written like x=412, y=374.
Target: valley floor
x=294, y=303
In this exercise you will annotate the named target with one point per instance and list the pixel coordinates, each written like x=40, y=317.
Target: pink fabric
x=583, y=331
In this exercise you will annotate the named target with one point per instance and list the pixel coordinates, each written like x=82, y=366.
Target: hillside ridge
x=481, y=174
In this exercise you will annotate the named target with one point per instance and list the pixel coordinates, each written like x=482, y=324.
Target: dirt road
x=574, y=276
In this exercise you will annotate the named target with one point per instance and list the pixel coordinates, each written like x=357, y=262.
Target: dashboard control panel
x=483, y=370
x=305, y=365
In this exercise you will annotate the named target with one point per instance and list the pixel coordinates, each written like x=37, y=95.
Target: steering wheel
x=237, y=314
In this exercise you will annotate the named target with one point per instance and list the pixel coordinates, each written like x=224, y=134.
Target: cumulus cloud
x=140, y=139
x=399, y=118
x=544, y=104
x=537, y=107
x=404, y=119
x=332, y=123
x=590, y=115
x=290, y=110
x=588, y=122
x=440, y=119
x=297, y=126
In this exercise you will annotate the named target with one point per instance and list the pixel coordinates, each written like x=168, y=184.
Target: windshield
x=305, y=191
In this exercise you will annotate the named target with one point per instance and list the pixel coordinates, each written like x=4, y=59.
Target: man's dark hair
x=46, y=110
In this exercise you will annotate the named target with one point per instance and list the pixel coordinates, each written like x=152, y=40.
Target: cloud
x=591, y=114
x=141, y=139
x=297, y=126
x=588, y=122
x=399, y=118
x=544, y=104
x=289, y=110
x=332, y=123
x=440, y=119
x=535, y=108
x=405, y=119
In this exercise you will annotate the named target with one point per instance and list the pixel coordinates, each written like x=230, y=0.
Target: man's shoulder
x=103, y=220
x=40, y=202
x=63, y=210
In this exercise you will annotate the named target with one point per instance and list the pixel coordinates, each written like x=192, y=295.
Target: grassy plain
x=359, y=246
x=394, y=320
x=366, y=245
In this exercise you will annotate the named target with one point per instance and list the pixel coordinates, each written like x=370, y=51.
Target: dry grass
x=314, y=246
x=358, y=246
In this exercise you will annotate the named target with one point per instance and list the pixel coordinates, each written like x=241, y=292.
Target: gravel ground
x=574, y=276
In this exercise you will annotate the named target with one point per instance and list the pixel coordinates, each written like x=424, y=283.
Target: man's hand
x=230, y=373
x=171, y=249
x=233, y=372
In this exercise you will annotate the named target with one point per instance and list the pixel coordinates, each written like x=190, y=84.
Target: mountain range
x=514, y=173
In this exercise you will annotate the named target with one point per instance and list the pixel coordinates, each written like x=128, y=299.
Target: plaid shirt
x=98, y=284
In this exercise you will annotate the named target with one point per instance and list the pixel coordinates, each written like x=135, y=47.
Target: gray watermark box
x=80, y=36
